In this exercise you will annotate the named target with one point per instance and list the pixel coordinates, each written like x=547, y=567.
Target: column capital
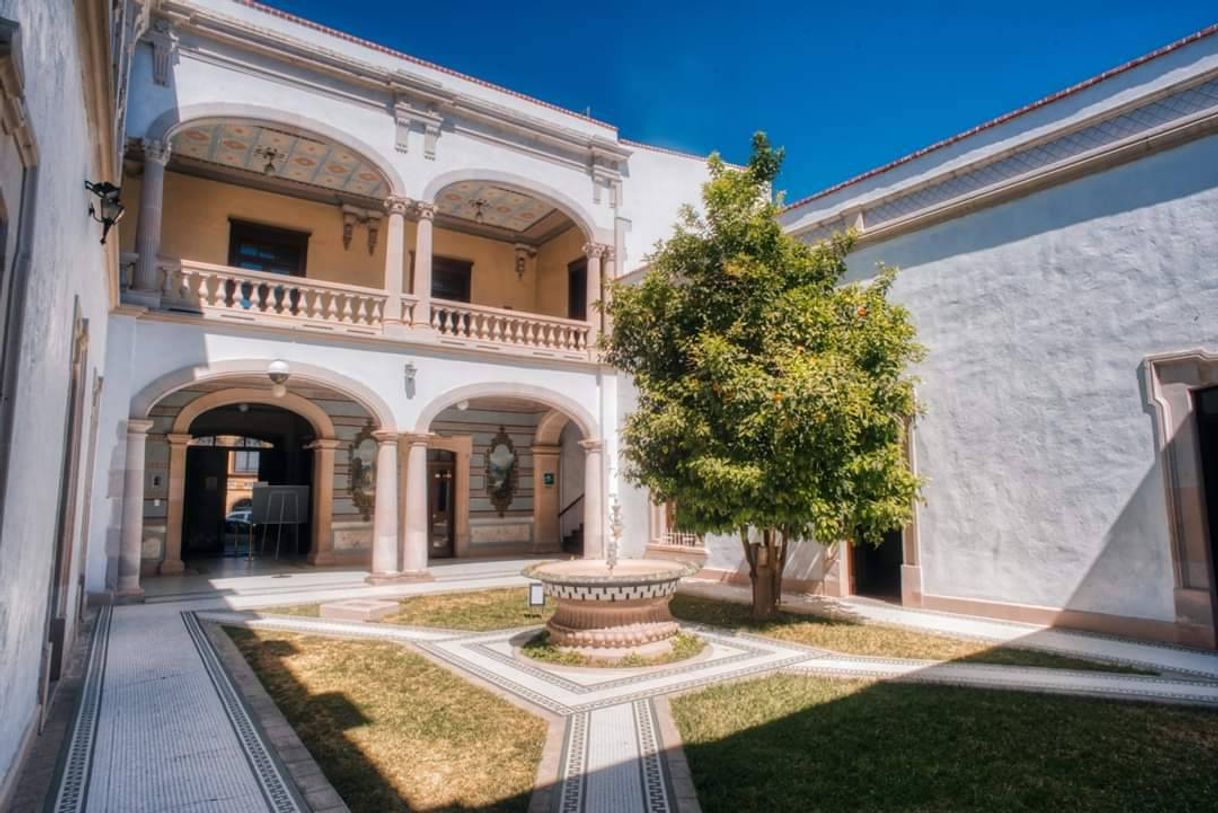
x=593, y=445
x=385, y=436
x=396, y=205
x=325, y=443
x=138, y=426
x=415, y=438
x=179, y=438
x=425, y=210
x=155, y=150
x=595, y=250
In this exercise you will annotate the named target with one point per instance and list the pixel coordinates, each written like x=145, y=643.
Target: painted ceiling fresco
x=502, y=207
x=302, y=158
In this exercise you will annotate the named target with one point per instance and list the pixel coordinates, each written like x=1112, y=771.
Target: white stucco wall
x=66, y=264
x=1042, y=478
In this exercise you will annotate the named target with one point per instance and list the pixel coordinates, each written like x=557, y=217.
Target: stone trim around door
x=1169, y=381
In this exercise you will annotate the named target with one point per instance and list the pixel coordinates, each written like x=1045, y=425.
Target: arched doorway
x=241, y=462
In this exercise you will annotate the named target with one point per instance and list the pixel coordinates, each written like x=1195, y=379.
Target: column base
x=131, y=595
x=171, y=567
x=147, y=299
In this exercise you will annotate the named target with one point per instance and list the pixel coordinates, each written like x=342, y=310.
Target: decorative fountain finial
x=615, y=532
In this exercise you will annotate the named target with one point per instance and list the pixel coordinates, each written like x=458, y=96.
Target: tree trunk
x=766, y=561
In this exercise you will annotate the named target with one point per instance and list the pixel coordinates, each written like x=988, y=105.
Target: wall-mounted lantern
x=109, y=209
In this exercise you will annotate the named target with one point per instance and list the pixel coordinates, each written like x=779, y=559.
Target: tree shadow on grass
x=324, y=722
x=799, y=743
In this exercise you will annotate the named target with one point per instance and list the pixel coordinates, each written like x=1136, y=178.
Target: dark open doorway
x=233, y=448
x=876, y=571
x=1206, y=407
x=441, y=471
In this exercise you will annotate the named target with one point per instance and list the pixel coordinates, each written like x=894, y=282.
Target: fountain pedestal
x=610, y=613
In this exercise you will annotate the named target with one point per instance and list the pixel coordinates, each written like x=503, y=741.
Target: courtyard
x=231, y=690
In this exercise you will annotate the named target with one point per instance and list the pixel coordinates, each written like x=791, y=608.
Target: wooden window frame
x=248, y=231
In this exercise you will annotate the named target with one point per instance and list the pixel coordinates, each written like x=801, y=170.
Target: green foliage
x=771, y=395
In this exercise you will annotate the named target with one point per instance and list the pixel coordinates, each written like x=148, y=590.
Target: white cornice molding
x=427, y=101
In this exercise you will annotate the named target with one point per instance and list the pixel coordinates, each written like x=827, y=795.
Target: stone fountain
x=608, y=609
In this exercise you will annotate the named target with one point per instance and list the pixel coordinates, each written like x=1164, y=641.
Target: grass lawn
x=872, y=639
x=391, y=730
x=505, y=608
x=795, y=743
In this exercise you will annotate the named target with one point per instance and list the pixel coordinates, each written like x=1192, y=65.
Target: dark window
x=266, y=248
x=450, y=278
x=577, y=289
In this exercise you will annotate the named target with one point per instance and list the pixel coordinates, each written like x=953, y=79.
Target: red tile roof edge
x=384, y=49
x=1208, y=31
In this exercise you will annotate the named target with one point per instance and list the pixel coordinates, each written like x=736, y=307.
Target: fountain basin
x=608, y=614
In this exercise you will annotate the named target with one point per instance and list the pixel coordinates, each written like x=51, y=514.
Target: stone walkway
x=161, y=726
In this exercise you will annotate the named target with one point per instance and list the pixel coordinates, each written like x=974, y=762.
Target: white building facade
x=370, y=282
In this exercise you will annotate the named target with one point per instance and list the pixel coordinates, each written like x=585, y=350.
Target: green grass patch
x=684, y=647
x=878, y=640
x=393, y=731
x=796, y=743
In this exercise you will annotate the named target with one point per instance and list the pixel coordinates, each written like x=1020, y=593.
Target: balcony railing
x=496, y=327
x=235, y=293
x=256, y=297
x=682, y=539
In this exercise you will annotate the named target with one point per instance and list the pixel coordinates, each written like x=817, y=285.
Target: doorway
x=876, y=570
x=441, y=513
x=233, y=449
x=1206, y=407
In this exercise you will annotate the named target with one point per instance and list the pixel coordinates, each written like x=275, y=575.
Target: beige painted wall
x=196, y=226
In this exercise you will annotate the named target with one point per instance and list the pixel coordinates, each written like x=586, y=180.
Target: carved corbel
x=164, y=50
x=525, y=254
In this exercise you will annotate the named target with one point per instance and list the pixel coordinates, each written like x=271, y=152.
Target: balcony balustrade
x=256, y=297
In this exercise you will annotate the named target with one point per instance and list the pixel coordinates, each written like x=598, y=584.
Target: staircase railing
x=568, y=520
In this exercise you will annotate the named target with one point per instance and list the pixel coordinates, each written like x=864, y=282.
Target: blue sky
x=844, y=86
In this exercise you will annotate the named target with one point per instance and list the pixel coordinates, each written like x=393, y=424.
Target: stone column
x=172, y=561
x=594, y=251
x=395, y=259
x=422, y=263
x=609, y=272
x=132, y=540
x=416, y=507
x=324, y=451
x=385, y=508
x=545, y=499
x=148, y=230
x=594, y=499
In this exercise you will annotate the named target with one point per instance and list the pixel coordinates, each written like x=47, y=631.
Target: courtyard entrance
x=233, y=450
x=876, y=571
x=1207, y=437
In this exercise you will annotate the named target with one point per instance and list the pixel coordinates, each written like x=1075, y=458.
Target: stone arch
x=572, y=208
x=376, y=406
x=571, y=408
x=549, y=428
x=167, y=124
x=303, y=407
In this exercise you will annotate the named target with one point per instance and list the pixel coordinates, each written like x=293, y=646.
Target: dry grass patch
x=484, y=610
x=393, y=731
x=877, y=640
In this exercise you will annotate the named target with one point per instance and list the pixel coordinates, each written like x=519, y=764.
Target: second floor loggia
x=250, y=222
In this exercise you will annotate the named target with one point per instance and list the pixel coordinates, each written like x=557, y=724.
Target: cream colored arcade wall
x=195, y=226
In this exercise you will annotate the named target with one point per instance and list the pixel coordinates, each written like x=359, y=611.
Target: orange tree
x=773, y=398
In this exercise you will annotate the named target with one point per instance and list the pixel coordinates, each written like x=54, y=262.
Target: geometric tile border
x=74, y=780
x=281, y=796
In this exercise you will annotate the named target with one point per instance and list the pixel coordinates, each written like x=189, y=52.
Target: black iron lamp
x=109, y=209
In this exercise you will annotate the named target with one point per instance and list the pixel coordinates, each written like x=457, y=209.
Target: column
x=324, y=451
x=594, y=251
x=148, y=230
x=422, y=263
x=395, y=260
x=385, y=508
x=132, y=540
x=609, y=273
x=172, y=561
x=415, y=554
x=546, y=538
x=594, y=499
